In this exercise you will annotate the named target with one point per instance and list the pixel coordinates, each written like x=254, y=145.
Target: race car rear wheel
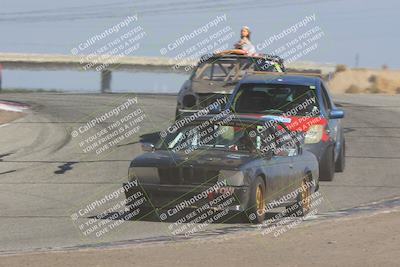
x=256, y=211
x=303, y=202
x=341, y=160
x=327, y=165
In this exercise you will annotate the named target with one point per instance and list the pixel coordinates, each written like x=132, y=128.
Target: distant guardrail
x=14, y=61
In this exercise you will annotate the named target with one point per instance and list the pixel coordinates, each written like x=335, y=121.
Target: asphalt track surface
x=45, y=176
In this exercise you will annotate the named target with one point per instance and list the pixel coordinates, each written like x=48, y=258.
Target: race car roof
x=212, y=57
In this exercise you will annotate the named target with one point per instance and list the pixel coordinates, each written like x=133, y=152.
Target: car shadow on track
x=65, y=167
x=154, y=216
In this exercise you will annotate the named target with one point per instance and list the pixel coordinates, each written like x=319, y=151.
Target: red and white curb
x=12, y=106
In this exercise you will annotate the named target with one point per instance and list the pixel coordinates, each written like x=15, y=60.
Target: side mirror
x=148, y=147
x=336, y=114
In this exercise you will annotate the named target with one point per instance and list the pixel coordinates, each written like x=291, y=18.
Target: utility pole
x=105, y=81
x=1, y=69
x=357, y=59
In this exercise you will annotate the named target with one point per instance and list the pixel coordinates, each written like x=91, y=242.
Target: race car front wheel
x=256, y=208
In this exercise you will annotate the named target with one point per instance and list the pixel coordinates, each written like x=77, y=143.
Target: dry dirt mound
x=365, y=81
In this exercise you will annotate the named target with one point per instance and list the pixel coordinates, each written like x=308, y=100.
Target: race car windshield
x=224, y=137
x=289, y=100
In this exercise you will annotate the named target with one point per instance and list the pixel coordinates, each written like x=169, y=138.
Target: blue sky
x=351, y=26
x=364, y=27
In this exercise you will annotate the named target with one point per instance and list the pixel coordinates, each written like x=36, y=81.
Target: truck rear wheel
x=341, y=160
x=327, y=165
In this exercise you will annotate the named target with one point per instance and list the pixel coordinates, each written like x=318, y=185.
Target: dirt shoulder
x=371, y=240
x=7, y=116
x=365, y=81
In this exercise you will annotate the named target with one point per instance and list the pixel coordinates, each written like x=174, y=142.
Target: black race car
x=257, y=160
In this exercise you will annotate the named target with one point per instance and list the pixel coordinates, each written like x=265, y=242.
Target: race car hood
x=211, y=159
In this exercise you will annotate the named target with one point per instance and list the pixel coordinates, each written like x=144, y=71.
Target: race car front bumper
x=192, y=196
